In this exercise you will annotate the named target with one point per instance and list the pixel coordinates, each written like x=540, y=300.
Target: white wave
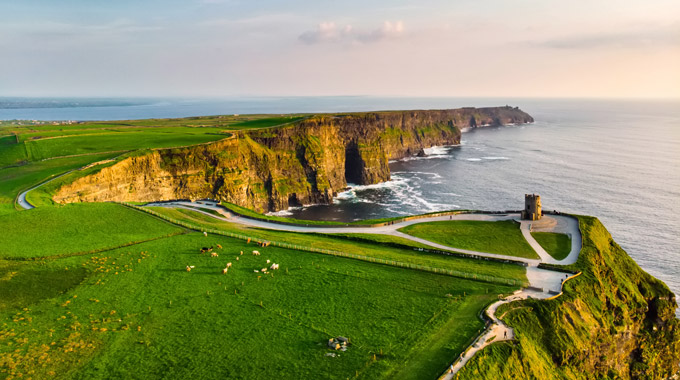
x=394, y=182
x=495, y=158
x=284, y=213
x=439, y=151
x=448, y=194
x=434, y=175
x=473, y=159
x=465, y=130
x=345, y=195
x=436, y=150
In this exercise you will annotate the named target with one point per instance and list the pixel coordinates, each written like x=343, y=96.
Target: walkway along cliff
x=272, y=169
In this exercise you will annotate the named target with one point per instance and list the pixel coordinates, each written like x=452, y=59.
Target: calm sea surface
x=617, y=160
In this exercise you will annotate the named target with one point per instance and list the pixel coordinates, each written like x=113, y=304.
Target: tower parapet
x=532, y=207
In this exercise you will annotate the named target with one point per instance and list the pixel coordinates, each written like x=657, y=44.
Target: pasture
x=136, y=312
x=365, y=246
x=501, y=237
x=20, y=144
x=76, y=228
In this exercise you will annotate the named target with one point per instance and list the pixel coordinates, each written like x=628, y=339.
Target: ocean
x=618, y=160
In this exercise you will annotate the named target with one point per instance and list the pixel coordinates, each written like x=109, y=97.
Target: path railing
x=394, y=263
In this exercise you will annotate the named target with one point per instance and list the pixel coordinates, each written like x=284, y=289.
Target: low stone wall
x=563, y=282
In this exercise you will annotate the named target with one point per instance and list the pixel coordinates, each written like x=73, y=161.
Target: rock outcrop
x=272, y=169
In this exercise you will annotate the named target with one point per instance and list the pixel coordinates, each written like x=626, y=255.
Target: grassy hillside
x=136, y=312
x=613, y=321
x=503, y=237
x=14, y=180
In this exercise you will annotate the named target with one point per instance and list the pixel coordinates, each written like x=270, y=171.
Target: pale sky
x=475, y=48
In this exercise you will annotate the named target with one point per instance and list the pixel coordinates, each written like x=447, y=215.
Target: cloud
x=388, y=30
x=330, y=32
x=658, y=36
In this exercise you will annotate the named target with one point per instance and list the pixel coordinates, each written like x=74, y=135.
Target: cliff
x=615, y=321
x=272, y=169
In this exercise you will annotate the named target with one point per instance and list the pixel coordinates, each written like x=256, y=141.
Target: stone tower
x=532, y=207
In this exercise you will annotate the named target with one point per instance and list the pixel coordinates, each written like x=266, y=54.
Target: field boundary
x=399, y=264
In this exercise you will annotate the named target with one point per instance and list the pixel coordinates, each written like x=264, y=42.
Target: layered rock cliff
x=272, y=169
x=615, y=321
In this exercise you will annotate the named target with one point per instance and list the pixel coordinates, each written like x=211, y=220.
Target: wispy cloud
x=630, y=38
x=328, y=32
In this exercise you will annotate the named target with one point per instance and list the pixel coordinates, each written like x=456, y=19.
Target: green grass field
x=502, y=237
x=27, y=143
x=76, y=228
x=557, y=245
x=136, y=312
x=363, y=247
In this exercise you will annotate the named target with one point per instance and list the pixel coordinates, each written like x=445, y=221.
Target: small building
x=532, y=207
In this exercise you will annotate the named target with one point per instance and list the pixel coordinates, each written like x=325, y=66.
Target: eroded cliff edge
x=272, y=169
x=615, y=321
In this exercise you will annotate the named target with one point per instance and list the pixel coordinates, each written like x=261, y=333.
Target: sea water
x=616, y=160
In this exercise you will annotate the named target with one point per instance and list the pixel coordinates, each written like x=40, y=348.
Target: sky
x=215, y=48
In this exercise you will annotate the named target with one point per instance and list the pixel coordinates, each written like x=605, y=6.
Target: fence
x=424, y=268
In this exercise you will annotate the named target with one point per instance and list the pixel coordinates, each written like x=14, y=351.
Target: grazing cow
x=205, y=249
x=274, y=267
x=228, y=265
x=256, y=271
x=189, y=268
x=264, y=269
x=205, y=233
x=225, y=270
x=219, y=246
x=256, y=253
x=268, y=261
x=241, y=252
x=214, y=254
x=236, y=258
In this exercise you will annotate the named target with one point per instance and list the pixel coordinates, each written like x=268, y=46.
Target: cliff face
x=272, y=169
x=614, y=321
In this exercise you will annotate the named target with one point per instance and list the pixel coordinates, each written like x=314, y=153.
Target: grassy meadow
x=75, y=228
x=136, y=312
x=364, y=246
x=557, y=245
x=502, y=237
x=21, y=144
